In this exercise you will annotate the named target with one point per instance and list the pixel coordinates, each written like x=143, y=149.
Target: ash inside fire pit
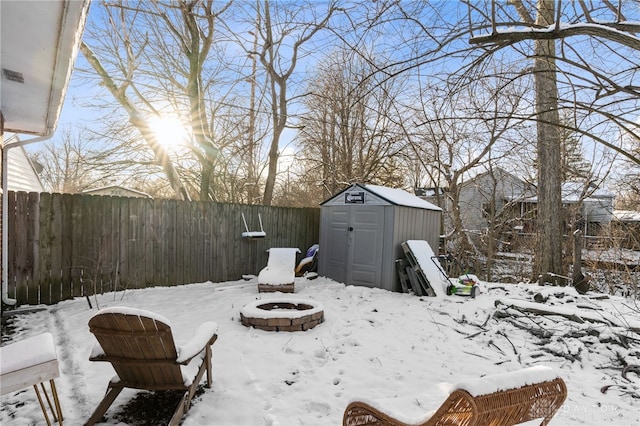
x=282, y=315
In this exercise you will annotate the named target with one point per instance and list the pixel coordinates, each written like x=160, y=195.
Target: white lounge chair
x=279, y=274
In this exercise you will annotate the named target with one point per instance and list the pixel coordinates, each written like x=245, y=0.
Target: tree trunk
x=279, y=111
x=270, y=183
x=549, y=227
x=252, y=147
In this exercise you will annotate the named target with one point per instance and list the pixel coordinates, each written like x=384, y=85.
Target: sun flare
x=170, y=132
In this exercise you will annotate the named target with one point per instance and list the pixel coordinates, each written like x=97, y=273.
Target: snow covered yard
x=373, y=344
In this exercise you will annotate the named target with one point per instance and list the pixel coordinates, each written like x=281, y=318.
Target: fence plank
x=209, y=241
x=138, y=216
x=88, y=256
x=146, y=206
x=179, y=245
x=15, y=241
x=33, y=236
x=20, y=271
x=66, y=237
x=158, y=237
x=108, y=208
x=196, y=246
x=42, y=272
x=55, y=274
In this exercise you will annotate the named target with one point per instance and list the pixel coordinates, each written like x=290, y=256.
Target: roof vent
x=13, y=75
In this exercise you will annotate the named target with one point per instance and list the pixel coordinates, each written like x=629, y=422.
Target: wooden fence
x=65, y=245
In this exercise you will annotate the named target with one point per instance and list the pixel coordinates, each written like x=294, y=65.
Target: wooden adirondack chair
x=140, y=347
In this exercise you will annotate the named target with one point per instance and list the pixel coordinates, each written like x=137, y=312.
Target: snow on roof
x=401, y=197
x=116, y=190
x=571, y=192
x=626, y=215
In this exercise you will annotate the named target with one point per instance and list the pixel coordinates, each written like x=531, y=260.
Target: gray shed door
x=355, y=255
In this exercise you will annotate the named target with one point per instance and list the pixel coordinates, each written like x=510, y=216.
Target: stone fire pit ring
x=282, y=314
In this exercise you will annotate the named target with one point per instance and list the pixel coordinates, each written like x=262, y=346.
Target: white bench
x=31, y=362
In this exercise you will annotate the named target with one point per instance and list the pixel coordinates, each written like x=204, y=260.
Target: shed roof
x=395, y=196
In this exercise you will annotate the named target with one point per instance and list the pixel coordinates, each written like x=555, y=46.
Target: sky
x=394, y=349
x=75, y=114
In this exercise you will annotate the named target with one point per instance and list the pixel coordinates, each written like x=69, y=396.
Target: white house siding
x=20, y=173
x=480, y=191
x=598, y=210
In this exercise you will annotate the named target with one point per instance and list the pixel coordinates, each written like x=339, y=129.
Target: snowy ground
x=373, y=344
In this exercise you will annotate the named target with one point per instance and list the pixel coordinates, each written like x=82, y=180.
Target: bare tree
x=283, y=30
x=628, y=178
x=545, y=22
x=549, y=243
x=351, y=132
x=152, y=57
x=459, y=131
x=75, y=160
x=582, y=54
x=71, y=165
x=128, y=66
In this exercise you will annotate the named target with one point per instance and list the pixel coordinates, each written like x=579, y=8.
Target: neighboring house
x=21, y=174
x=591, y=208
x=597, y=206
x=512, y=201
x=118, y=191
x=625, y=226
x=489, y=194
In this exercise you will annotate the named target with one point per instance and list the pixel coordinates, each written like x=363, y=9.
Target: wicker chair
x=140, y=347
x=500, y=408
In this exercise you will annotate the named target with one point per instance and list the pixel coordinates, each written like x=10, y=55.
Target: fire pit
x=282, y=314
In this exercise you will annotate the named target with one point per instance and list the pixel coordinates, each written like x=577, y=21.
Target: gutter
x=5, y=210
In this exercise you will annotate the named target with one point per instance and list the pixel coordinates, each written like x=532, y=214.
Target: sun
x=169, y=131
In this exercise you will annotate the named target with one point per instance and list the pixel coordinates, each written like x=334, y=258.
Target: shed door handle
x=350, y=228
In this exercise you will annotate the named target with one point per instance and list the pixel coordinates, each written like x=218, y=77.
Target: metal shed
x=362, y=227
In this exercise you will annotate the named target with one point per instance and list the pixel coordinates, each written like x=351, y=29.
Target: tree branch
x=610, y=31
